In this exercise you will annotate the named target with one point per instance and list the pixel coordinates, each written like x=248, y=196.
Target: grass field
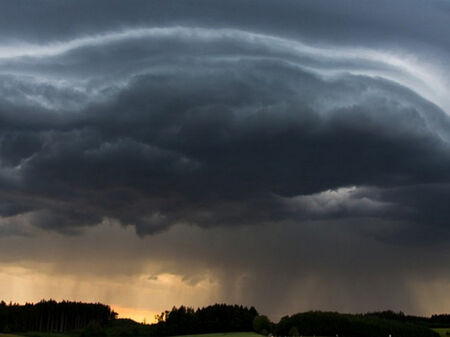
x=228, y=334
x=225, y=334
x=37, y=334
x=444, y=332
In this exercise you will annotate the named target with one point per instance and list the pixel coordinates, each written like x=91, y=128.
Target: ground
x=444, y=332
x=225, y=334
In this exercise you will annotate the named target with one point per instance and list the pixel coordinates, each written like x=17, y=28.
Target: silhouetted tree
x=293, y=331
x=214, y=318
x=51, y=316
x=332, y=324
x=261, y=324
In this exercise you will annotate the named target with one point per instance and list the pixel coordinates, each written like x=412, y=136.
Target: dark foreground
x=74, y=319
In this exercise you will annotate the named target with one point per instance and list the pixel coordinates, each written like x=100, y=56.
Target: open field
x=38, y=334
x=444, y=332
x=226, y=334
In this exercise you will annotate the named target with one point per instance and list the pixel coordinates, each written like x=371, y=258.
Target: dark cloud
x=314, y=139
x=410, y=21
x=194, y=126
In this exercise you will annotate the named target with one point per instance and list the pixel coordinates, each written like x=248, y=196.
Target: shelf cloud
x=156, y=117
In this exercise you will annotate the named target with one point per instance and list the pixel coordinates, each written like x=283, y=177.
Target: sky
x=290, y=155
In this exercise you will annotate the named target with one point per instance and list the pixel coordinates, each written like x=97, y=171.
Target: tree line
x=226, y=318
x=440, y=321
x=98, y=320
x=213, y=318
x=51, y=316
x=348, y=325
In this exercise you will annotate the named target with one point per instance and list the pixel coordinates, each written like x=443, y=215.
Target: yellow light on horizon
x=140, y=315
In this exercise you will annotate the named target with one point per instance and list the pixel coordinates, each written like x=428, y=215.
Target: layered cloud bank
x=245, y=130
x=161, y=126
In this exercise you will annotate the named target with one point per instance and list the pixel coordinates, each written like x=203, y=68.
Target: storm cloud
x=159, y=115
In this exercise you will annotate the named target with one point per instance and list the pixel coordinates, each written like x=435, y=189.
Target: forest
x=52, y=316
x=76, y=319
x=352, y=325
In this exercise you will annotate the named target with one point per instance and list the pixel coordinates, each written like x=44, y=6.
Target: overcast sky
x=291, y=155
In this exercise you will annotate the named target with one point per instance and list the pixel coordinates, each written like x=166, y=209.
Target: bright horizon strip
x=421, y=78
x=140, y=315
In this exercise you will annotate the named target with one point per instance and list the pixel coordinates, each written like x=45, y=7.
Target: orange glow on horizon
x=140, y=315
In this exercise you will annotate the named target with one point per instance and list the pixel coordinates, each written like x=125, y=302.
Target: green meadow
x=443, y=332
x=40, y=334
x=226, y=334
